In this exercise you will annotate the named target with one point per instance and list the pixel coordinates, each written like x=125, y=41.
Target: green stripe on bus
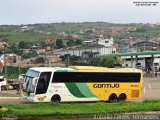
x=72, y=87
x=84, y=89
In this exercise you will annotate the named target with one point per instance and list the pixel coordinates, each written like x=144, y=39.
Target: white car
x=3, y=83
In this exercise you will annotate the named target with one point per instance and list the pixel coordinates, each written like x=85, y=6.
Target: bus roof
x=54, y=69
x=84, y=69
x=104, y=69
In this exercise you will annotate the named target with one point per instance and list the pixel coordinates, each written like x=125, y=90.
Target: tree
x=78, y=42
x=14, y=49
x=87, y=54
x=95, y=61
x=107, y=62
x=22, y=44
x=118, y=61
x=5, y=40
x=70, y=43
x=59, y=43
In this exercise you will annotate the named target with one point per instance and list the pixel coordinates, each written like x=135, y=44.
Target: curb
x=4, y=98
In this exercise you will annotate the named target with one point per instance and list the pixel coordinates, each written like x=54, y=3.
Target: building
x=132, y=41
x=73, y=37
x=54, y=58
x=48, y=48
x=9, y=59
x=145, y=60
x=146, y=43
x=12, y=58
x=37, y=49
x=79, y=52
x=2, y=45
x=106, y=42
x=25, y=28
x=49, y=41
x=156, y=38
x=1, y=63
x=89, y=42
x=25, y=51
x=111, y=31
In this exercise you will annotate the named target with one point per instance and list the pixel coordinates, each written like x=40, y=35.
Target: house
x=1, y=63
x=56, y=58
x=62, y=33
x=156, y=38
x=73, y=37
x=106, y=42
x=24, y=51
x=12, y=58
x=2, y=45
x=48, y=48
x=111, y=31
x=9, y=58
x=37, y=49
x=132, y=29
x=133, y=40
x=49, y=41
x=25, y=28
x=89, y=42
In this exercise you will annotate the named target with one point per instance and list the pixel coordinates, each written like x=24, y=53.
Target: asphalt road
x=151, y=90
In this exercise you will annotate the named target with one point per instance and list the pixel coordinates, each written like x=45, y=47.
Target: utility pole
x=5, y=66
x=19, y=68
x=68, y=60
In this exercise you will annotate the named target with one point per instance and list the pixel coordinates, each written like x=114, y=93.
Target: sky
x=16, y=12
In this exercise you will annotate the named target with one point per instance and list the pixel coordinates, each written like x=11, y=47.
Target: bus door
x=42, y=86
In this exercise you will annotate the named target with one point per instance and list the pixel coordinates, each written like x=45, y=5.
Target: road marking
x=149, y=85
x=144, y=90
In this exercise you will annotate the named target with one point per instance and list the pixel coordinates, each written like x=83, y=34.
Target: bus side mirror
x=34, y=81
x=32, y=94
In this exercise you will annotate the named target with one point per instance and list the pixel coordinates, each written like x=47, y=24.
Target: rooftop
x=129, y=54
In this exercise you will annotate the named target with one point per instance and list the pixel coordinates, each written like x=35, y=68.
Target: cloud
x=43, y=11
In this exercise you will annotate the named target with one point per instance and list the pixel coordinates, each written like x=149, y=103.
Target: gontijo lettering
x=106, y=85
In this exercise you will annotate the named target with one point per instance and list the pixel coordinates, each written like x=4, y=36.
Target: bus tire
x=122, y=97
x=14, y=87
x=3, y=88
x=112, y=98
x=56, y=98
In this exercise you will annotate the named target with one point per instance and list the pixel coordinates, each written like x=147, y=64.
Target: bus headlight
x=31, y=94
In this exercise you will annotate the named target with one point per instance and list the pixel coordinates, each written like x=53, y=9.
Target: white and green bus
x=82, y=83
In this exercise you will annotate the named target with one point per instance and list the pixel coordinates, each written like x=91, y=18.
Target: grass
x=15, y=37
x=76, y=109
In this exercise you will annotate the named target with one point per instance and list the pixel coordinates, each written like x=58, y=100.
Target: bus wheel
x=56, y=98
x=122, y=97
x=3, y=88
x=112, y=98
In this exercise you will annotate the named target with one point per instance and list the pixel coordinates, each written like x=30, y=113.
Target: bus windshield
x=27, y=85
